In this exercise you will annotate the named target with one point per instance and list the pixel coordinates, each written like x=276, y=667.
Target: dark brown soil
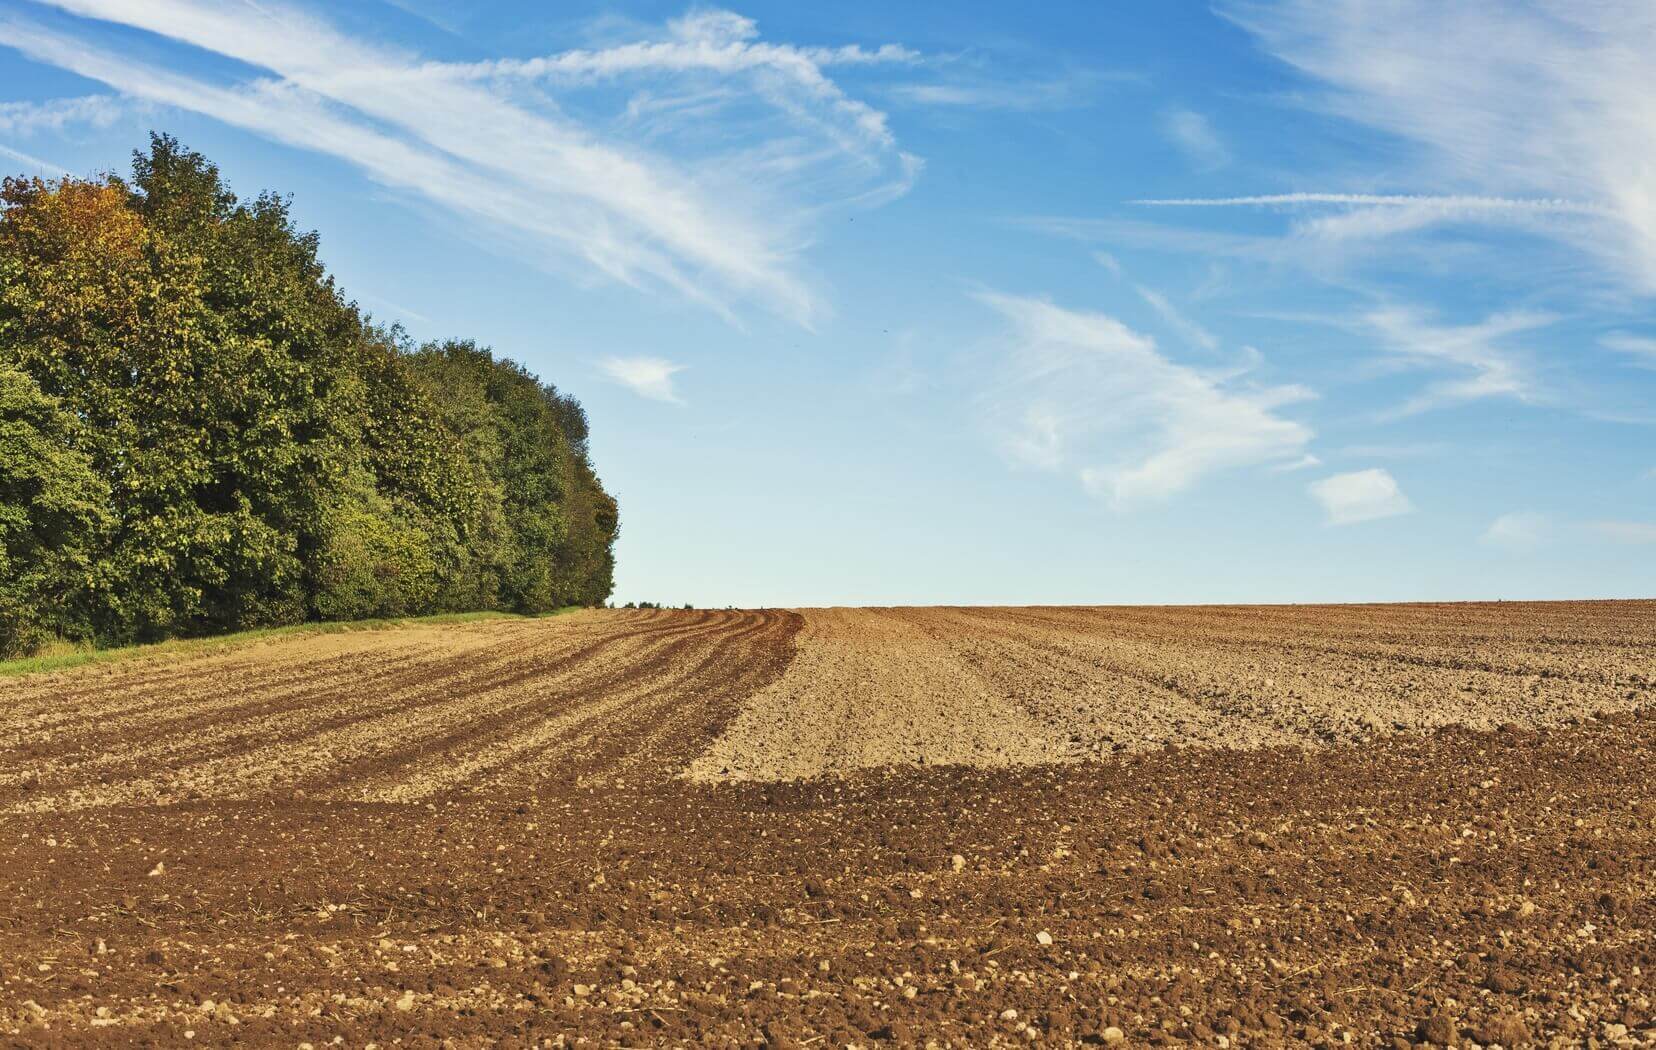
x=1495, y=887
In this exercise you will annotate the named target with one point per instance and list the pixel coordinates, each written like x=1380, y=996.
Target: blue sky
x=943, y=302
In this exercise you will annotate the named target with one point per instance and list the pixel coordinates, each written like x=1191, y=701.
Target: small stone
x=1114, y=1036
x=1009, y=1014
x=159, y=869
x=406, y=1003
x=957, y=863
x=1043, y=938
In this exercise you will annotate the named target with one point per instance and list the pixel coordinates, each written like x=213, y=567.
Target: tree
x=260, y=453
x=551, y=525
x=53, y=512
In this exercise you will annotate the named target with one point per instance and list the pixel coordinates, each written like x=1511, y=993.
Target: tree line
x=199, y=433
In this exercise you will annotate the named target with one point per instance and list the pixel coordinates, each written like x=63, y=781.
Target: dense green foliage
x=199, y=434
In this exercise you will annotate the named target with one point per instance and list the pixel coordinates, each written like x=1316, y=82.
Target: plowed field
x=1376, y=825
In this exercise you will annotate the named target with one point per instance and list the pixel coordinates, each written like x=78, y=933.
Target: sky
x=956, y=302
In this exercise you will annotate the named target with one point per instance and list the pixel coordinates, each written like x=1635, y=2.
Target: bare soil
x=1378, y=825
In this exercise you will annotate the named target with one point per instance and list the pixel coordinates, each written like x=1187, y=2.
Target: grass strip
x=64, y=655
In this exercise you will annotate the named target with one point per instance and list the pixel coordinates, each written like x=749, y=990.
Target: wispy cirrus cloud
x=1555, y=105
x=1519, y=532
x=1083, y=391
x=1189, y=330
x=723, y=44
x=1363, y=495
x=1357, y=216
x=55, y=114
x=981, y=93
x=1484, y=365
x=39, y=166
x=718, y=218
x=1640, y=349
x=1195, y=138
x=648, y=377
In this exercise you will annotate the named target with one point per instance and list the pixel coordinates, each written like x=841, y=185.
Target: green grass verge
x=64, y=655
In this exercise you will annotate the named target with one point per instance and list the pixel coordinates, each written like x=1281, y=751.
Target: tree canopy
x=199, y=433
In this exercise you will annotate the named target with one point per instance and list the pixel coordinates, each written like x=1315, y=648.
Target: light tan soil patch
x=872, y=688
x=995, y=687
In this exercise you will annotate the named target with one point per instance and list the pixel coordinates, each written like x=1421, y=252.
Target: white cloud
x=1061, y=92
x=703, y=38
x=1641, y=348
x=1488, y=368
x=717, y=211
x=1518, y=532
x=1363, y=495
x=720, y=42
x=1109, y=262
x=650, y=377
x=25, y=118
x=1080, y=387
x=1305, y=462
x=44, y=168
x=1626, y=531
x=1188, y=330
x=1195, y=137
x=1461, y=203
x=1356, y=216
x=1548, y=98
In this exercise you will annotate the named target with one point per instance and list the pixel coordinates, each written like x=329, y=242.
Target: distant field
x=833, y=826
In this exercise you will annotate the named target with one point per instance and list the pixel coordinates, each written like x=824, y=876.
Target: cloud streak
x=1641, y=349
x=1555, y=103
x=1083, y=391
x=566, y=192
x=1361, y=216
x=44, y=168
x=1517, y=533
x=716, y=42
x=1188, y=330
x=1486, y=367
x=1195, y=138
x=27, y=118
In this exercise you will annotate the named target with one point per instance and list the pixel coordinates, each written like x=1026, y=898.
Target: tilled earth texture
x=1382, y=825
